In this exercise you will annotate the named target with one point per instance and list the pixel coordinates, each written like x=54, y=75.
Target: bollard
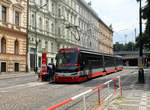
x=121, y=87
x=99, y=96
x=115, y=84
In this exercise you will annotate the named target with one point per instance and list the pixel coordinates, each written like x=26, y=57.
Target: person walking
x=51, y=71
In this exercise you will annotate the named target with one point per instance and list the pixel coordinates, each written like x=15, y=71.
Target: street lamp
x=140, y=61
x=37, y=8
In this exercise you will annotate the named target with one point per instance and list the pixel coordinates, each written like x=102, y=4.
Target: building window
x=47, y=6
x=40, y=46
x=16, y=47
x=40, y=2
x=3, y=45
x=68, y=16
x=59, y=31
x=32, y=20
x=39, y=61
x=47, y=26
x=17, y=18
x=59, y=12
x=53, y=8
x=40, y=23
x=4, y=13
x=52, y=47
x=52, y=26
x=58, y=46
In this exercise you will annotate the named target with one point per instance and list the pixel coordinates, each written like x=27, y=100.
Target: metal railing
x=105, y=92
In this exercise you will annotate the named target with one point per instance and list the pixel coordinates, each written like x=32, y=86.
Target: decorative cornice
x=7, y=3
x=18, y=6
x=12, y=30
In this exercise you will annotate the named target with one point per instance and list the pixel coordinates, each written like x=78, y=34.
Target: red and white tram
x=77, y=64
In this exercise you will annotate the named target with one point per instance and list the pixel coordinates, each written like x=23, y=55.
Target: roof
x=84, y=3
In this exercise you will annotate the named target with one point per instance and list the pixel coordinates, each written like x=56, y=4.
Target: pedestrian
x=49, y=71
x=53, y=71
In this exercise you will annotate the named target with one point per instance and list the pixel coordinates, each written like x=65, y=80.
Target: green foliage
x=125, y=47
x=146, y=16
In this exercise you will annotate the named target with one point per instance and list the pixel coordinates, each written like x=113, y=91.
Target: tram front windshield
x=66, y=60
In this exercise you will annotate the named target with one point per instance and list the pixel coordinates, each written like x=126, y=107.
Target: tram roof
x=86, y=50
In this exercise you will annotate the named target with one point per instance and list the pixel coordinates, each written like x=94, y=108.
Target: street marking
x=3, y=91
x=58, y=86
x=31, y=84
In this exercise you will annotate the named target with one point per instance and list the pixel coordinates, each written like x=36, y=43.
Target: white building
x=55, y=24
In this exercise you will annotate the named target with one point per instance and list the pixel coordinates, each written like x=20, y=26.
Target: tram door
x=3, y=66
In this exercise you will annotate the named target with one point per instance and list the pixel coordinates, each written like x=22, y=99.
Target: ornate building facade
x=55, y=24
x=105, y=38
x=13, y=35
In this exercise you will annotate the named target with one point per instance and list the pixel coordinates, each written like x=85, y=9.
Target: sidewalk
x=15, y=75
x=135, y=96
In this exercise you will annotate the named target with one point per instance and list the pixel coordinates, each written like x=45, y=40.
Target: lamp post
x=36, y=52
x=140, y=61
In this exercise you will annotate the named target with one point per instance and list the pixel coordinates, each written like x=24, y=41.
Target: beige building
x=13, y=35
x=105, y=38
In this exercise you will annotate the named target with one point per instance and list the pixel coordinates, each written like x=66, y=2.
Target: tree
x=146, y=16
x=125, y=47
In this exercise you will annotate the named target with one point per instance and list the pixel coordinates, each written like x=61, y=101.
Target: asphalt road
x=27, y=93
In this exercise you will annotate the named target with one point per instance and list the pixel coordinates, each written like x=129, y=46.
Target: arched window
x=3, y=45
x=16, y=47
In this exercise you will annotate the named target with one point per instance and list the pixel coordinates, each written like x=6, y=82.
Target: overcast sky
x=122, y=14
